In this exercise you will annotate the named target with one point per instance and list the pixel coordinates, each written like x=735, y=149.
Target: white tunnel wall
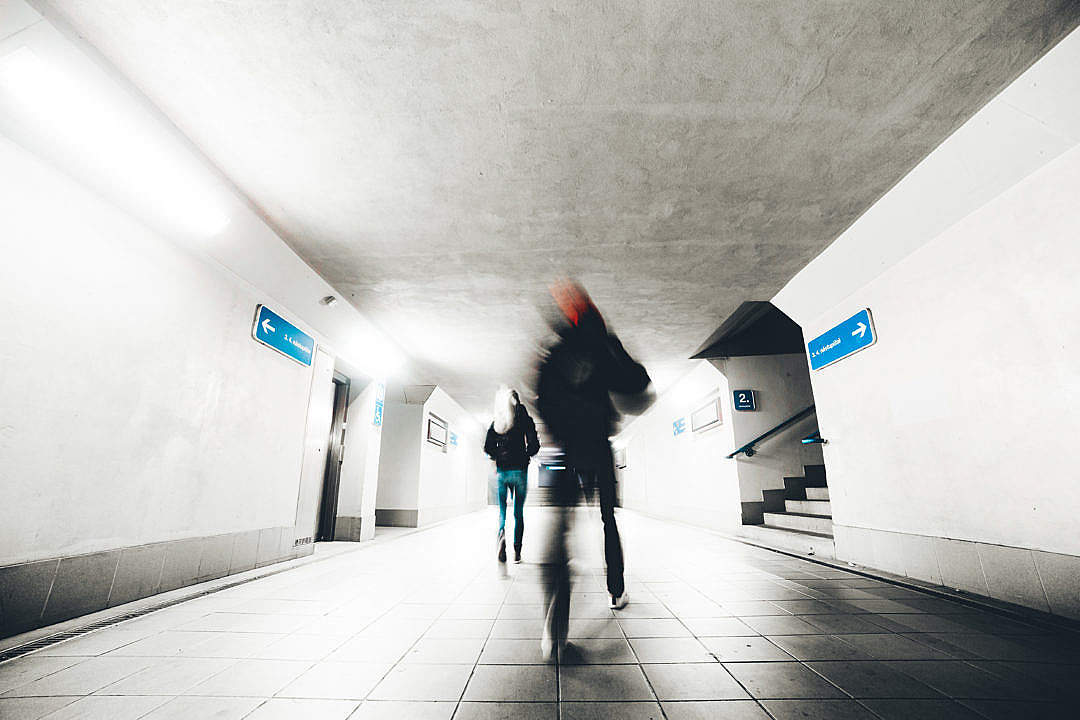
x=683, y=477
x=958, y=424
x=420, y=482
x=147, y=442
x=131, y=379
x=451, y=479
x=360, y=467
x=686, y=476
x=398, y=494
x=141, y=424
x=781, y=384
x=949, y=455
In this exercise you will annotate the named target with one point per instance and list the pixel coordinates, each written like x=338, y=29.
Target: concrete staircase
x=805, y=523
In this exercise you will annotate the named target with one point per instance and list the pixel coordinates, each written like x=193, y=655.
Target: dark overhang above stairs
x=755, y=328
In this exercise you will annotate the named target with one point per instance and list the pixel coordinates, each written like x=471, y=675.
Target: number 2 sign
x=745, y=400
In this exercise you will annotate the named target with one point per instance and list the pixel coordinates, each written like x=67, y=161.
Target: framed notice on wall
x=620, y=458
x=706, y=416
x=437, y=433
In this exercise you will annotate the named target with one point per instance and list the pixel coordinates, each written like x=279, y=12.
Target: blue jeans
x=516, y=482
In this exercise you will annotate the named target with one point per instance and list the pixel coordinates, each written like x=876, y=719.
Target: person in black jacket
x=574, y=385
x=511, y=440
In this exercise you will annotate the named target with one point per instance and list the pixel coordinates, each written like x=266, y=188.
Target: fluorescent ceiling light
x=106, y=135
x=376, y=355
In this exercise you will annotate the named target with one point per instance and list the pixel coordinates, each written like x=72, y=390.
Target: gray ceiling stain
x=441, y=162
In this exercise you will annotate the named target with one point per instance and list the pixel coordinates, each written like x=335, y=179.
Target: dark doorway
x=328, y=503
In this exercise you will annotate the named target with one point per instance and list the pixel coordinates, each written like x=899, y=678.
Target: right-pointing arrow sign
x=850, y=336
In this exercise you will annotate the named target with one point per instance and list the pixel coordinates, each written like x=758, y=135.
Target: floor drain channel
x=40, y=643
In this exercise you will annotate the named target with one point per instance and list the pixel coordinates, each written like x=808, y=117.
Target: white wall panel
x=957, y=423
x=451, y=481
x=134, y=405
x=685, y=476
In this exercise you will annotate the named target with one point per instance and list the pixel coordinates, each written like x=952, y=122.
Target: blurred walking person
x=575, y=381
x=511, y=440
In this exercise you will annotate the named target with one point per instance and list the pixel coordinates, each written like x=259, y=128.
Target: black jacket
x=574, y=385
x=512, y=450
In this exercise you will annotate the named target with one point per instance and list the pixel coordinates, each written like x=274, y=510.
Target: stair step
x=809, y=507
x=815, y=475
x=804, y=543
x=799, y=521
x=817, y=493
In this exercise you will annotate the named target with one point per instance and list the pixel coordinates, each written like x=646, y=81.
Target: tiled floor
x=426, y=626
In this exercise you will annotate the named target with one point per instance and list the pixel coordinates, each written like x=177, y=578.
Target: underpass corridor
x=427, y=625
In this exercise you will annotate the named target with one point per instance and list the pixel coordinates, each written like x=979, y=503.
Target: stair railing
x=748, y=448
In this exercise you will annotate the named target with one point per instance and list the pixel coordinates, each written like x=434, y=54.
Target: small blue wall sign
x=745, y=400
x=453, y=439
x=275, y=332
x=380, y=398
x=854, y=334
x=679, y=426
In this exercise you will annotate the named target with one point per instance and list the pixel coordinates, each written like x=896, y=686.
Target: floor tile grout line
x=393, y=664
x=918, y=633
x=660, y=599
x=840, y=638
x=13, y=653
x=483, y=646
x=1018, y=615
x=366, y=626
x=641, y=669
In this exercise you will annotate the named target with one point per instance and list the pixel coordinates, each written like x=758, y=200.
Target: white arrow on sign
x=860, y=331
x=268, y=328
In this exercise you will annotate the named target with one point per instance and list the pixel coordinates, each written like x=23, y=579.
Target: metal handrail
x=748, y=448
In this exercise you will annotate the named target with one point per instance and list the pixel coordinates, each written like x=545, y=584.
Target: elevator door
x=335, y=455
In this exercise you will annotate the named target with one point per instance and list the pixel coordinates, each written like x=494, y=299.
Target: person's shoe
x=517, y=554
x=502, y=547
x=547, y=646
x=618, y=602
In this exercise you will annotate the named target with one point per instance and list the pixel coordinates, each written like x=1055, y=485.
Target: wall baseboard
x=43, y=592
x=393, y=517
x=349, y=528
x=1044, y=581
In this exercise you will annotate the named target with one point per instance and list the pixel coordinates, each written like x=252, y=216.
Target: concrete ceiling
x=440, y=162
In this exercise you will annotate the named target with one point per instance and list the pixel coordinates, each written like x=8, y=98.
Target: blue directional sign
x=678, y=427
x=854, y=334
x=275, y=332
x=745, y=400
x=380, y=397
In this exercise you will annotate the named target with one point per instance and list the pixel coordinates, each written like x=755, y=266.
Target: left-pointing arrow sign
x=276, y=332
